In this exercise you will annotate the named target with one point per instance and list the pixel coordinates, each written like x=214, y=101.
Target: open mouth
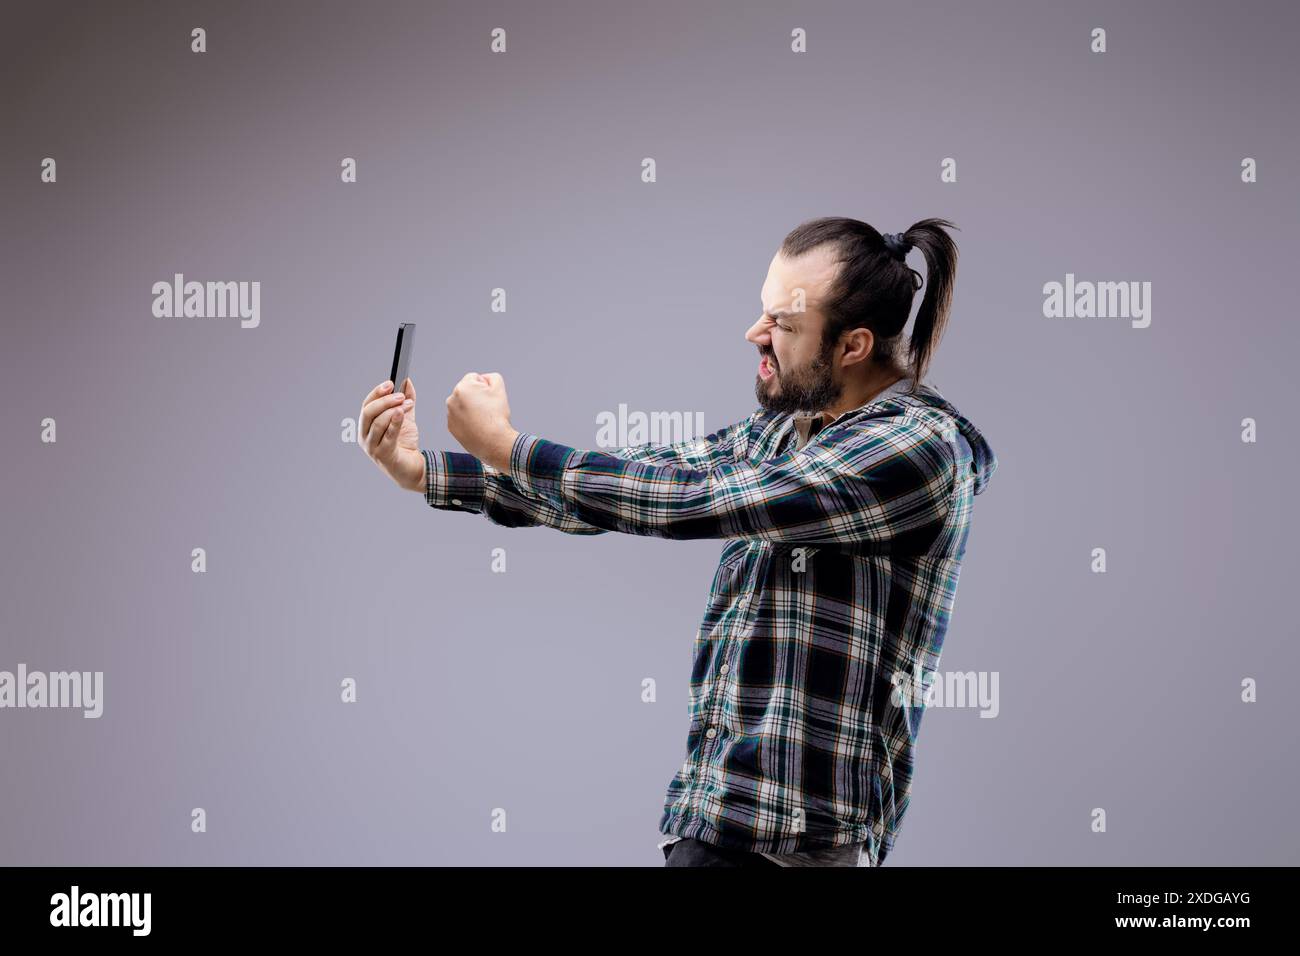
x=765, y=369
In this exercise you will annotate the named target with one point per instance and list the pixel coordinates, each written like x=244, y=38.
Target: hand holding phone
x=386, y=430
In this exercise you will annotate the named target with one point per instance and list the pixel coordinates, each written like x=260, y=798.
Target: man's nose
x=758, y=334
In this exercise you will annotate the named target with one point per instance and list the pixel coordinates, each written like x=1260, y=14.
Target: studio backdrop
x=289, y=660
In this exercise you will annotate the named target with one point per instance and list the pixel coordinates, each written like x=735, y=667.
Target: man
x=845, y=500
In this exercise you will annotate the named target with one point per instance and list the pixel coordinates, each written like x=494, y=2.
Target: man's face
x=798, y=374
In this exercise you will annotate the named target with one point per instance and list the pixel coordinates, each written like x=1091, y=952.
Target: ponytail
x=940, y=254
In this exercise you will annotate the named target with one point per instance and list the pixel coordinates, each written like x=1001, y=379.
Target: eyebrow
x=783, y=314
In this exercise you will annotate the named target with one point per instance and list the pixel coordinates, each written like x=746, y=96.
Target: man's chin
x=773, y=403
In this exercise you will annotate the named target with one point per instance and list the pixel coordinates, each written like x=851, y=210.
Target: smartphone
x=402, y=355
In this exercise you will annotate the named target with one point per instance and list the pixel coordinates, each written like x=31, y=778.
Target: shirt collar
x=804, y=423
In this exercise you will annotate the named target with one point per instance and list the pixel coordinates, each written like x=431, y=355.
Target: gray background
x=522, y=690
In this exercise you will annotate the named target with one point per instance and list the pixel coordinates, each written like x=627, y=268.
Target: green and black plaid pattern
x=837, y=580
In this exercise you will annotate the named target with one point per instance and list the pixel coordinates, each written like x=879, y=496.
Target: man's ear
x=860, y=340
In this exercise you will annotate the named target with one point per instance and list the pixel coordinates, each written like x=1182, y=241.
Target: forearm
x=457, y=481
x=497, y=453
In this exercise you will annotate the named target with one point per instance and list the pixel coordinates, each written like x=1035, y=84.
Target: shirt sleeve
x=457, y=481
x=885, y=486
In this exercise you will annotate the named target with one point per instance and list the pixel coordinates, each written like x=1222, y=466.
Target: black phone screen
x=402, y=355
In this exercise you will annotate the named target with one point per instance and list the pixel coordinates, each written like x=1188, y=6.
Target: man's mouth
x=765, y=368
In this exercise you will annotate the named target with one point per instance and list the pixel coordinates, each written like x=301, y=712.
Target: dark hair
x=874, y=288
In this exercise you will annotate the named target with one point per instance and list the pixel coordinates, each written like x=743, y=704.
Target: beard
x=808, y=389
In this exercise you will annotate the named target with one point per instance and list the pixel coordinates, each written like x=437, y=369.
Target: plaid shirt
x=837, y=579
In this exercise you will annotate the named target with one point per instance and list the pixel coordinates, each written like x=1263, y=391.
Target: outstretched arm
x=457, y=481
x=885, y=487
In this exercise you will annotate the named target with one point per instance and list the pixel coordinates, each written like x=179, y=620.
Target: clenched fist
x=478, y=416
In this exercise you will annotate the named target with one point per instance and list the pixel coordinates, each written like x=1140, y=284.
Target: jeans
x=691, y=852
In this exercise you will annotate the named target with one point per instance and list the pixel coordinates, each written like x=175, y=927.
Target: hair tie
x=896, y=245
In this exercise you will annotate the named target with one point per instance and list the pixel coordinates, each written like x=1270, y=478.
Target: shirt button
x=711, y=732
x=455, y=501
x=724, y=668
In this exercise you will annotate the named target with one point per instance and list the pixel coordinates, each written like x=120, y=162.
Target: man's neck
x=858, y=396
